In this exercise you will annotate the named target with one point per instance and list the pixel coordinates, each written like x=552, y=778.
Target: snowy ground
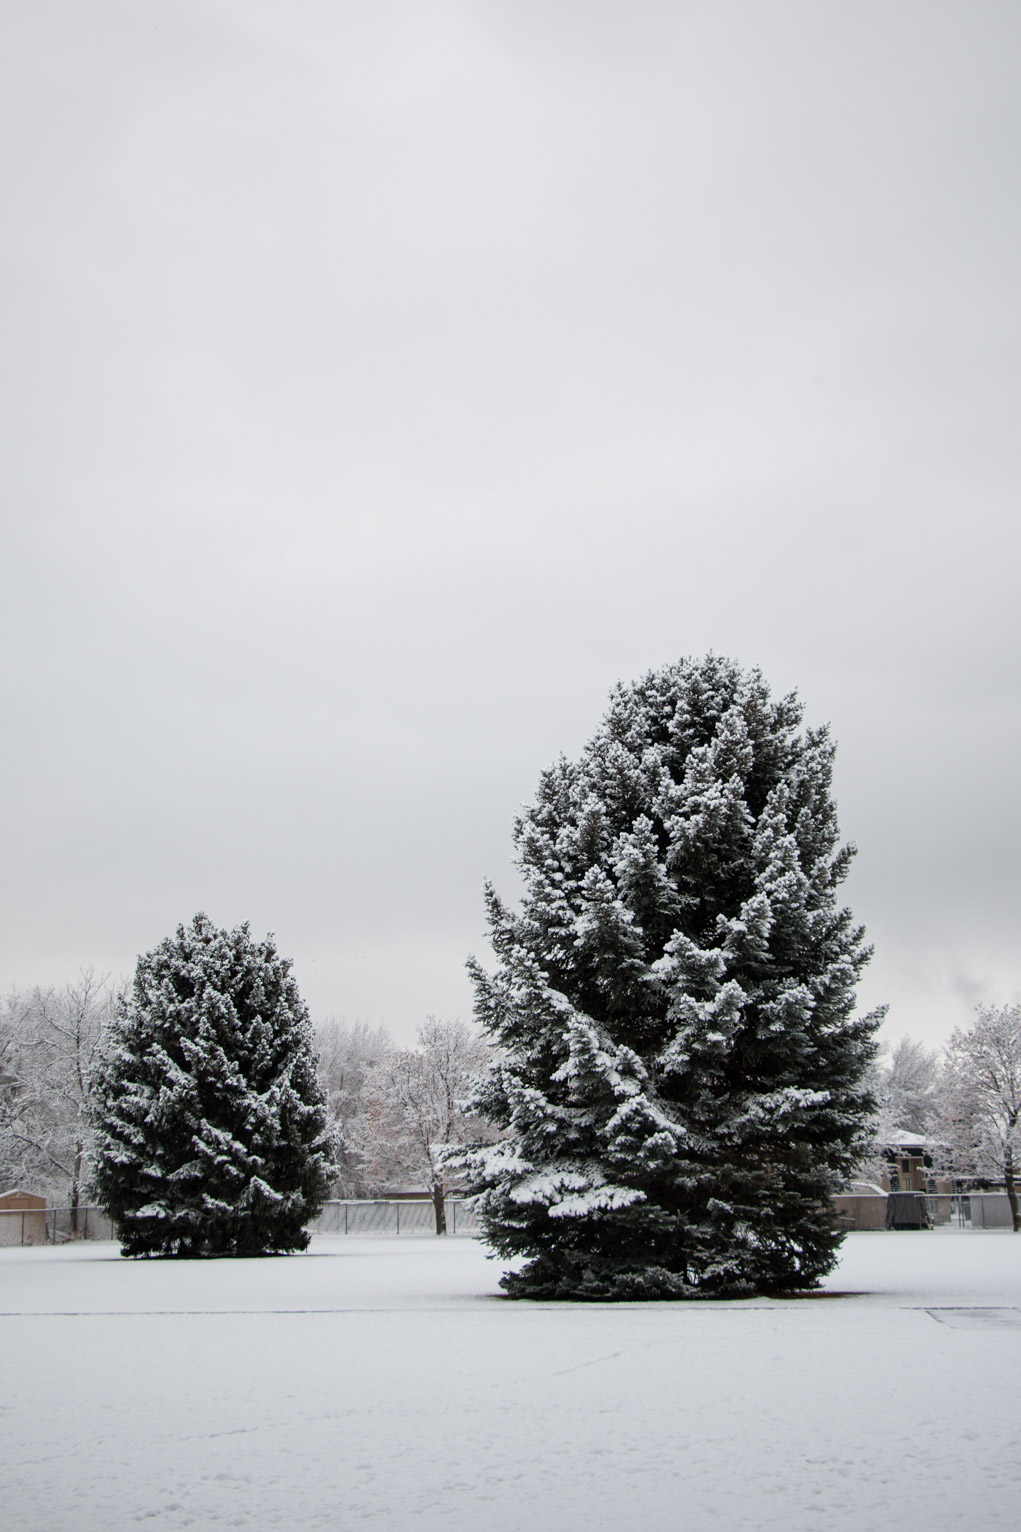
x=382, y=1382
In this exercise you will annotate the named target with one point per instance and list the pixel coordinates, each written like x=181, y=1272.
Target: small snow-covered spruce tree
x=212, y=1125
x=682, y=1077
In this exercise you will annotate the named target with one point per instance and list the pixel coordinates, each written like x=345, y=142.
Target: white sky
x=380, y=383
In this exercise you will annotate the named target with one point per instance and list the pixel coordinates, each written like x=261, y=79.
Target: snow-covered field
x=383, y=1382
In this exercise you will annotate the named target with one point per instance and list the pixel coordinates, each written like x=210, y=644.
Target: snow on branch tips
x=683, y=1079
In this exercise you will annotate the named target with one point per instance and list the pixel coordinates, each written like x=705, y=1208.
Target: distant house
x=908, y=1164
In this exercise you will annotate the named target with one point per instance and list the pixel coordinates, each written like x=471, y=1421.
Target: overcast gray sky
x=381, y=382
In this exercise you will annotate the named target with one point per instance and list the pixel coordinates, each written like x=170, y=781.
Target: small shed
x=22, y=1218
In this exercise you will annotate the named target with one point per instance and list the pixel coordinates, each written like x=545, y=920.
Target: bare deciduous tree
x=48, y=1049
x=909, y=1085
x=11, y=1028
x=347, y=1053
x=412, y=1108
x=905, y=1082
x=980, y=1099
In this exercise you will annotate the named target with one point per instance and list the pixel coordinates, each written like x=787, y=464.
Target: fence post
x=398, y=1218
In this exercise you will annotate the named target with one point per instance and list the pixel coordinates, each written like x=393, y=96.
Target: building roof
x=901, y=1138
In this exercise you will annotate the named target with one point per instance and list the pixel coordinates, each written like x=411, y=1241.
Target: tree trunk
x=1008, y=1176
x=76, y=1187
x=438, y=1208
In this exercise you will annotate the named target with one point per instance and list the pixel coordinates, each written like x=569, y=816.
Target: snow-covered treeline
x=390, y=1106
x=396, y=1107
x=347, y=1053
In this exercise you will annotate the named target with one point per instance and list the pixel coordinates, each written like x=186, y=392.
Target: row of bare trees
x=396, y=1107
x=393, y=1106
x=964, y=1102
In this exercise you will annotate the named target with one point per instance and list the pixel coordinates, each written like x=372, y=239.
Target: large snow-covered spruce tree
x=213, y=1132
x=682, y=1080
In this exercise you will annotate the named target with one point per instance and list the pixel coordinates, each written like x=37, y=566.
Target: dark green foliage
x=682, y=1082
x=213, y=1134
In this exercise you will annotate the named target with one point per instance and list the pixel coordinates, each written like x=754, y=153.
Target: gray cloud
x=383, y=383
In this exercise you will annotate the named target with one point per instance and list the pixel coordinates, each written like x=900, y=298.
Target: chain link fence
x=59, y=1226
x=381, y=1215
x=923, y=1210
x=393, y=1216
x=53, y=1226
